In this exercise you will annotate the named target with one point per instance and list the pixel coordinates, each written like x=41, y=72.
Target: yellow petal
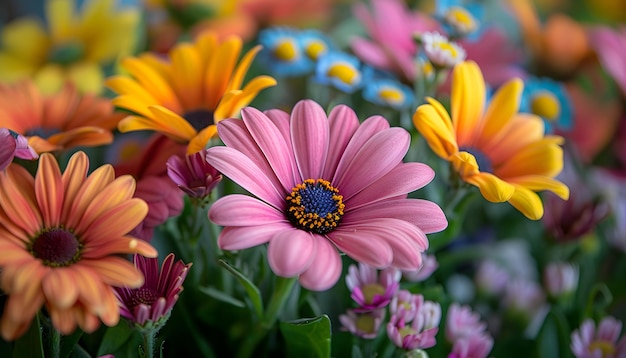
x=434, y=125
x=60, y=16
x=200, y=141
x=467, y=101
x=234, y=101
x=13, y=68
x=87, y=76
x=491, y=187
x=540, y=183
x=126, y=86
x=50, y=78
x=242, y=68
x=219, y=70
x=188, y=80
x=502, y=108
x=527, y=202
x=465, y=164
x=153, y=81
x=26, y=40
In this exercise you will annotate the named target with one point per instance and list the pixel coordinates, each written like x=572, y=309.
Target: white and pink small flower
x=475, y=346
x=461, y=322
x=561, y=278
x=429, y=265
x=415, y=332
x=363, y=324
x=491, y=278
x=587, y=342
x=369, y=289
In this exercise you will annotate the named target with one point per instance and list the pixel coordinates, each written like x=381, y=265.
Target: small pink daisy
x=322, y=183
x=587, y=342
x=370, y=289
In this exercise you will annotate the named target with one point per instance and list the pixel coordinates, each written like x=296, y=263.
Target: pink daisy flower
x=587, y=342
x=369, y=289
x=462, y=322
x=322, y=183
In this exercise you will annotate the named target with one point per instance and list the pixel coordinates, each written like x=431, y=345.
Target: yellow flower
x=73, y=46
x=57, y=122
x=61, y=235
x=185, y=96
x=502, y=152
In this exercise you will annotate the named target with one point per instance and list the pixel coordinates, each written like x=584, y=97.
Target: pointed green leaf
x=307, y=337
x=30, y=344
x=253, y=292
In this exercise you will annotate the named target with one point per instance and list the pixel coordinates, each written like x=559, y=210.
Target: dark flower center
x=483, y=161
x=56, y=247
x=143, y=295
x=13, y=134
x=67, y=53
x=315, y=206
x=199, y=119
x=42, y=132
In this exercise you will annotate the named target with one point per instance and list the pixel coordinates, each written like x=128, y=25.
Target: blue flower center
x=483, y=161
x=56, y=247
x=315, y=206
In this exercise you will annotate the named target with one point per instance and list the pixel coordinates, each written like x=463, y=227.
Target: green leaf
x=309, y=337
x=30, y=344
x=68, y=343
x=121, y=340
x=221, y=296
x=253, y=292
x=553, y=338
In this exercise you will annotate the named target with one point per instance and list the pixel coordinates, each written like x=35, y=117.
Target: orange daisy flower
x=502, y=152
x=56, y=122
x=184, y=96
x=60, y=237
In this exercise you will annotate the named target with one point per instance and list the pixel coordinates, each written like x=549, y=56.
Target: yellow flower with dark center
x=73, y=46
x=61, y=234
x=184, y=96
x=59, y=121
x=502, y=152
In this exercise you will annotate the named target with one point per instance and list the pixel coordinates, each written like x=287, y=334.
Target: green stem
x=56, y=342
x=148, y=342
x=281, y=293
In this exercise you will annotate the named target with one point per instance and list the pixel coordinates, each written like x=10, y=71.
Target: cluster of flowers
x=197, y=159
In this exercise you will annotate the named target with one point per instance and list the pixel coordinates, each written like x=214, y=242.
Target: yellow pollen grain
x=344, y=72
x=448, y=47
x=545, y=105
x=286, y=51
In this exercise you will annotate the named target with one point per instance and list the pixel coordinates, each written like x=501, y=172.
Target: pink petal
x=243, y=237
x=366, y=130
x=371, y=53
x=273, y=145
x=243, y=210
x=325, y=269
x=362, y=245
x=343, y=124
x=291, y=252
x=243, y=171
x=402, y=179
x=280, y=119
x=7, y=148
x=309, y=136
x=377, y=157
x=425, y=214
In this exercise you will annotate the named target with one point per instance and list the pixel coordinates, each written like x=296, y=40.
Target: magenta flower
x=391, y=45
x=14, y=145
x=587, y=342
x=561, y=278
x=477, y=345
x=362, y=324
x=150, y=305
x=405, y=304
x=369, y=289
x=461, y=322
x=416, y=332
x=322, y=184
x=610, y=45
x=193, y=174
x=491, y=278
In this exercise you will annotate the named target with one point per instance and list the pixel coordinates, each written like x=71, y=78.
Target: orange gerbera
x=502, y=152
x=60, y=121
x=60, y=237
x=184, y=97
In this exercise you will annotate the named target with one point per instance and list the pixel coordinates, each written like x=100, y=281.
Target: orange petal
x=49, y=190
x=544, y=157
x=17, y=197
x=115, y=193
x=94, y=184
x=219, y=70
x=525, y=128
x=200, y=141
x=60, y=288
x=125, y=245
x=116, y=271
x=114, y=222
x=188, y=80
x=73, y=178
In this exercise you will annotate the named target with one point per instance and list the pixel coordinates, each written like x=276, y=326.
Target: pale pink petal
x=362, y=245
x=343, y=124
x=309, y=137
x=425, y=214
x=7, y=148
x=377, y=157
x=402, y=179
x=273, y=145
x=280, y=119
x=243, y=237
x=325, y=269
x=243, y=210
x=291, y=252
x=371, y=53
x=243, y=171
x=366, y=130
